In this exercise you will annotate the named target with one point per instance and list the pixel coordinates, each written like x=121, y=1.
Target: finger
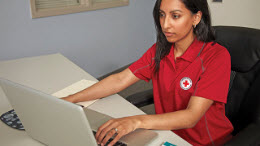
x=101, y=136
x=118, y=136
x=109, y=135
x=100, y=129
x=104, y=132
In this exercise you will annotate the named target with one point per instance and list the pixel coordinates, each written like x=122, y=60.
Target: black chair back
x=243, y=44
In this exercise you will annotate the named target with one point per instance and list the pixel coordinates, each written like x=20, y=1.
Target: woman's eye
x=175, y=16
x=161, y=14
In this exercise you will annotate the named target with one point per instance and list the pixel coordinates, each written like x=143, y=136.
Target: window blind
x=44, y=8
x=100, y=1
x=45, y=4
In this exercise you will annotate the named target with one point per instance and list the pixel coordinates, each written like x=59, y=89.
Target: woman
x=190, y=75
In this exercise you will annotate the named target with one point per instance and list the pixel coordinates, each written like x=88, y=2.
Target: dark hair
x=203, y=30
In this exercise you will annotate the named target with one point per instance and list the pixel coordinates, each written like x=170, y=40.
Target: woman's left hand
x=118, y=127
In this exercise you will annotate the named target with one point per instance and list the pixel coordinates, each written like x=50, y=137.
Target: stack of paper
x=74, y=88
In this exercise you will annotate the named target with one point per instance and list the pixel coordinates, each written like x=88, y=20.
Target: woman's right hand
x=108, y=86
x=68, y=98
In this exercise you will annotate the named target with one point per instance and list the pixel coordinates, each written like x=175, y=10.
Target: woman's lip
x=168, y=34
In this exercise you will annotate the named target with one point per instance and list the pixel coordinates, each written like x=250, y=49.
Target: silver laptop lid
x=47, y=119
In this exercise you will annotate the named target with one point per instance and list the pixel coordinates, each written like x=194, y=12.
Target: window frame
x=85, y=5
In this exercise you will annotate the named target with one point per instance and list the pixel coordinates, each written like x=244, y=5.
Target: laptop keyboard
x=118, y=143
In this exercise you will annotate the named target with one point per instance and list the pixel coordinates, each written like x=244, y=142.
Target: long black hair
x=203, y=30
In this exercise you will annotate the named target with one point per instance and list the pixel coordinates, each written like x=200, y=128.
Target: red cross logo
x=186, y=83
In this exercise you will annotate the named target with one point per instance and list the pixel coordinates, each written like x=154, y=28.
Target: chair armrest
x=141, y=99
x=248, y=136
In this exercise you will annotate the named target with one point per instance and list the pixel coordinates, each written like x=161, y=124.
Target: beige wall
x=244, y=13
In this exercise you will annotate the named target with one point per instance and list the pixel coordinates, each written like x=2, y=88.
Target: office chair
x=243, y=103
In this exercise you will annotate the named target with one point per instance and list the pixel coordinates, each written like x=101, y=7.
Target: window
x=44, y=8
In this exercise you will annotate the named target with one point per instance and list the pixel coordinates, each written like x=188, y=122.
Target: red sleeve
x=214, y=81
x=143, y=67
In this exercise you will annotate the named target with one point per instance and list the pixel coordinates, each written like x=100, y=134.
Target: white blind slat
x=101, y=1
x=44, y=4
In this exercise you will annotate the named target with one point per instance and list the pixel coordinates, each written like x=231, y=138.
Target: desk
x=52, y=73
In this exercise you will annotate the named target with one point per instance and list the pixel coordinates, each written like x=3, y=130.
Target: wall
x=103, y=40
x=236, y=12
x=97, y=41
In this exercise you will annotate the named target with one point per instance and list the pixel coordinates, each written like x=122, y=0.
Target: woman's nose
x=166, y=23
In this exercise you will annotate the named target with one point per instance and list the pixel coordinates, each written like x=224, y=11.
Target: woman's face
x=176, y=20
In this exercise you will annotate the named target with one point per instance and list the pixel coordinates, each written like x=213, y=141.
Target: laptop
x=56, y=122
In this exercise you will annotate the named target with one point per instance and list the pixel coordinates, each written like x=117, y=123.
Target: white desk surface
x=52, y=73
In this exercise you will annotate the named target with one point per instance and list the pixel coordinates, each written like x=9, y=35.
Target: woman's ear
x=197, y=18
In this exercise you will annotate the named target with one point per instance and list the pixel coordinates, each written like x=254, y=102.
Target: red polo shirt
x=204, y=71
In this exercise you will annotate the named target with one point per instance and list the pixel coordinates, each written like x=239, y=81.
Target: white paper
x=74, y=88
